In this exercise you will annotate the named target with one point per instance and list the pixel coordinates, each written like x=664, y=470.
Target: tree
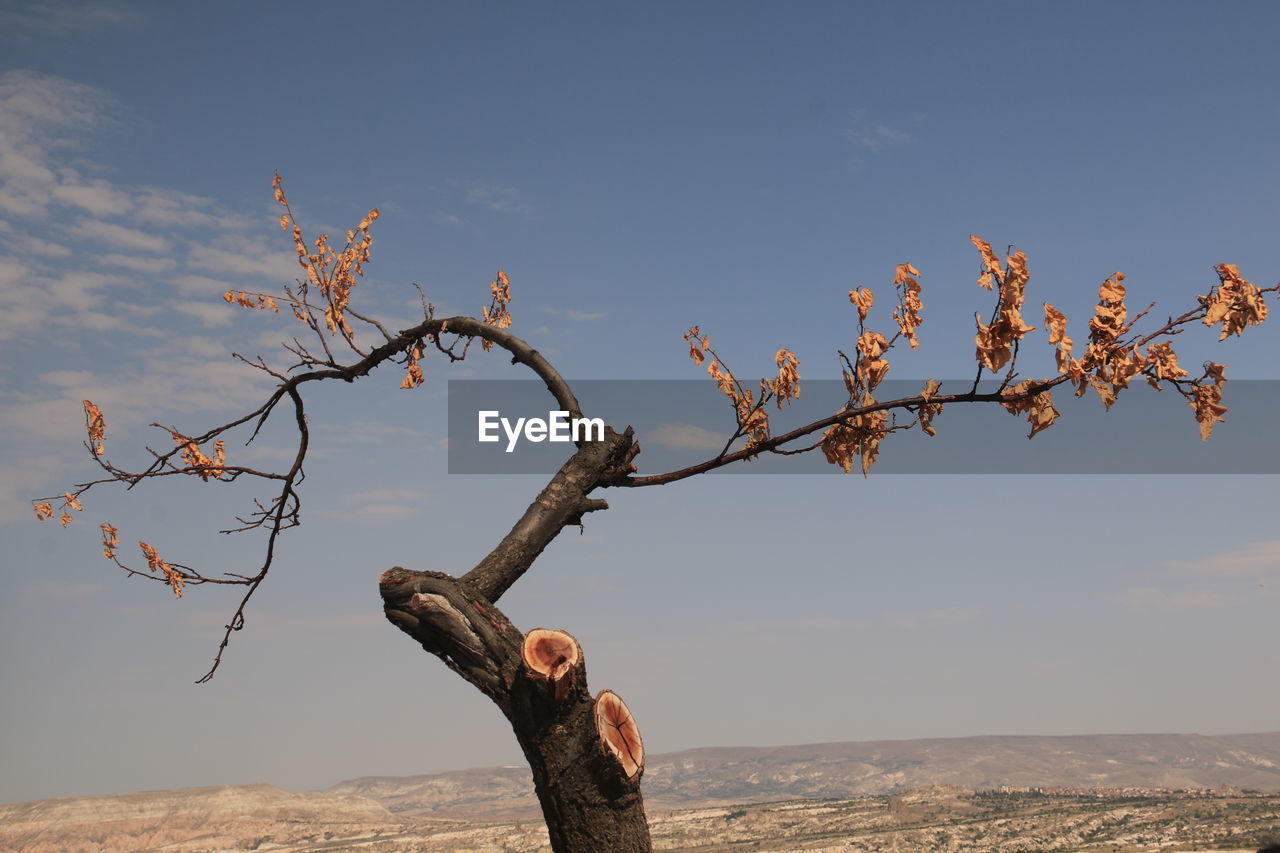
x=586, y=753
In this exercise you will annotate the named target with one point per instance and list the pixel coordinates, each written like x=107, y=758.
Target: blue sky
x=636, y=170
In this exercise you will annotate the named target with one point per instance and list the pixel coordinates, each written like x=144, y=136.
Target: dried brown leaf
x=907, y=314
x=991, y=271
x=1206, y=402
x=97, y=427
x=862, y=299
x=787, y=386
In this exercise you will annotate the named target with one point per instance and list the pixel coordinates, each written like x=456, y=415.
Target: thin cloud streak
x=686, y=437
x=1256, y=560
x=877, y=137
x=62, y=19
x=377, y=506
x=1150, y=598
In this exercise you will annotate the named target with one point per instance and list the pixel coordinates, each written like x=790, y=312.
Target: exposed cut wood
x=552, y=656
x=619, y=733
x=549, y=653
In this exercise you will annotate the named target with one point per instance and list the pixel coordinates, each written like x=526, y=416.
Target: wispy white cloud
x=138, y=264
x=898, y=620
x=43, y=248
x=38, y=114
x=181, y=384
x=238, y=256
x=780, y=625
x=66, y=378
x=1148, y=598
x=125, y=265
x=208, y=313
x=21, y=242
x=82, y=287
x=68, y=590
x=585, y=316
x=382, y=496
x=30, y=300
x=96, y=196
x=876, y=137
x=911, y=620
x=685, y=437
x=496, y=197
x=46, y=17
x=1256, y=560
x=201, y=285
x=288, y=623
x=378, y=506
x=169, y=208
x=12, y=272
x=29, y=476
x=119, y=236
x=202, y=347
x=373, y=432
x=104, y=226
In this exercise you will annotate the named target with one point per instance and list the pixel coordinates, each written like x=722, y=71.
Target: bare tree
x=586, y=752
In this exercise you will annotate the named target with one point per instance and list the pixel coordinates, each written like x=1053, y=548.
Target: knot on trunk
x=465, y=631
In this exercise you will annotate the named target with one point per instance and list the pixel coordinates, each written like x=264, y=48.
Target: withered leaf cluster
x=907, y=314
x=1113, y=357
x=334, y=272
x=198, y=463
x=996, y=341
x=1235, y=303
x=70, y=501
x=96, y=426
x=749, y=408
x=856, y=437
x=496, y=313
x=1039, y=407
x=172, y=576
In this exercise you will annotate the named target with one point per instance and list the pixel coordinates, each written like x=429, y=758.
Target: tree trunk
x=586, y=755
x=586, y=762
x=589, y=800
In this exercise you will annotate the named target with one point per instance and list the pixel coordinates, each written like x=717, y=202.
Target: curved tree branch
x=562, y=503
x=521, y=353
x=843, y=415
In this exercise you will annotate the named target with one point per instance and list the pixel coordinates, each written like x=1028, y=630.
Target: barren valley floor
x=930, y=818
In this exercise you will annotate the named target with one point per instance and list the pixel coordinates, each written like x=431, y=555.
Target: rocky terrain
x=934, y=818
x=846, y=796
x=947, y=818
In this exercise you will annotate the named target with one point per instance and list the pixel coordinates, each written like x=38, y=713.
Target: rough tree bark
x=585, y=754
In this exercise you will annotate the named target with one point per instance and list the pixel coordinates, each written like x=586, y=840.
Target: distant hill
x=725, y=775
x=495, y=809
x=230, y=817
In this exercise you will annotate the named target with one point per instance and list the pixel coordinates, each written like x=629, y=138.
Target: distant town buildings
x=1107, y=792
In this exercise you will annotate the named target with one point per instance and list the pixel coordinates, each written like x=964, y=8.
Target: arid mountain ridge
x=728, y=775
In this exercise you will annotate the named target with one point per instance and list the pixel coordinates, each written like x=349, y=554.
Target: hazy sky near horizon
x=636, y=169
